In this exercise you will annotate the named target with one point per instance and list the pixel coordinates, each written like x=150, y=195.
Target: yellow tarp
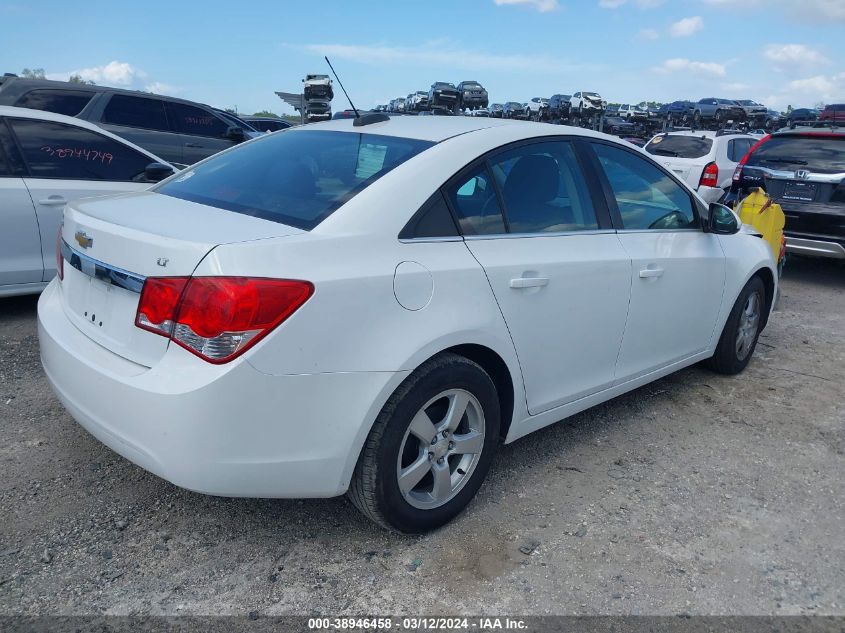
x=758, y=210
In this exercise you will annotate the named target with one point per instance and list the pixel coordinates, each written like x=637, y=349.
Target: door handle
x=651, y=272
x=529, y=282
x=53, y=201
x=192, y=145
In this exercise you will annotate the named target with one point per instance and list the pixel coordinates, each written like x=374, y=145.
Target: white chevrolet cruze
x=369, y=307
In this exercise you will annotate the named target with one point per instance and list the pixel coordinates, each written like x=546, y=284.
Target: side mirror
x=236, y=134
x=721, y=220
x=155, y=172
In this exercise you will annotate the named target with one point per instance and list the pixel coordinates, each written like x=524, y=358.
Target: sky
x=778, y=52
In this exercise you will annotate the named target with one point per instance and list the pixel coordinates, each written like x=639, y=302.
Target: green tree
x=33, y=73
x=77, y=79
x=267, y=114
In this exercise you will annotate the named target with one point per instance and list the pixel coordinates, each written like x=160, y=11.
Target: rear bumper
x=226, y=430
x=815, y=248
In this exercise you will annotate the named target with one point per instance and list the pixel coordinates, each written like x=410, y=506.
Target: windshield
x=591, y=95
x=679, y=146
x=298, y=178
x=817, y=153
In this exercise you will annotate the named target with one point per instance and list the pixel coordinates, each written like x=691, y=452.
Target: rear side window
x=298, y=178
x=738, y=147
x=825, y=154
x=476, y=203
x=136, y=112
x=543, y=189
x=196, y=121
x=680, y=146
x=4, y=166
x=647, y=198
x=56, y=150
x=67, y=102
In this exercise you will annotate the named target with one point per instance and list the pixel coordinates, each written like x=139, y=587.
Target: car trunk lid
x=111, y=245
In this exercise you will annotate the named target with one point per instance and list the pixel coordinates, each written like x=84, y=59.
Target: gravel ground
x=697, y=494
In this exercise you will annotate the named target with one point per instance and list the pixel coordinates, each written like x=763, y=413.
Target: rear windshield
x=297, y=178
x=680, y=146
x=815, y=153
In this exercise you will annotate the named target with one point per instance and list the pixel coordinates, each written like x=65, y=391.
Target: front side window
x=298, y=178
x=196, y=121
x=56, y=150
x=647, y=197
x=543, y=189
x=67, y=102
x=134, y=111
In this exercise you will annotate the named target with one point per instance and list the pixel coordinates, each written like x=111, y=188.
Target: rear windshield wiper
x=790, y=161
x=663, y=152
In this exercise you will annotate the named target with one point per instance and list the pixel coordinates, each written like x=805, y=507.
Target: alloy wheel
x=441, y=449
x=749, y=320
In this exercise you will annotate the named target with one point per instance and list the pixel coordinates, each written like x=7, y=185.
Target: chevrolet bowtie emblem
x=83, y=239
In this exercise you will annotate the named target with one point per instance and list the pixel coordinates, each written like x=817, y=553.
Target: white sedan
x=370, y=306
x=46, y=160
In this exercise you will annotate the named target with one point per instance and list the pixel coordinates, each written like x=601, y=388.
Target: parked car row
x=467, y=95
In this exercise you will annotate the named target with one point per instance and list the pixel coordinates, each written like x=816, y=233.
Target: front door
x=678, y=271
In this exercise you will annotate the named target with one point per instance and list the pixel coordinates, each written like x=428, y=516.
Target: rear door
x=20, y=242
x=678, y=271
x=556, y=267
x=143, y=121
x=202, y=132
x=66, y=162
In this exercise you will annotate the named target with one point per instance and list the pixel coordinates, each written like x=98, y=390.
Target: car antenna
x=373, y=117
x=354, y=109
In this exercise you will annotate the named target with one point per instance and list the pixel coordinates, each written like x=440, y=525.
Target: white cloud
x=648, y=34
x=113, y=73
x=611, y=4
x=682, y=65
x=447, y=55
x=540, y=5
x=119, y=74
x=793, y=57
x=807, y=92
x=686, y=26
x=160, y=88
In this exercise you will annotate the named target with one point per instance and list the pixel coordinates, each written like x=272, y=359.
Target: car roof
x=43, y=115
x=437, y=129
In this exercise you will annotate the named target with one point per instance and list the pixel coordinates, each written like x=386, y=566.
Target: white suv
x=587, y=102
x=632, y=112
x=705, y=160
x=535, y=106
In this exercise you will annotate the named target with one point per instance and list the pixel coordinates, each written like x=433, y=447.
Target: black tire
x=728, y=359
x=374, y=488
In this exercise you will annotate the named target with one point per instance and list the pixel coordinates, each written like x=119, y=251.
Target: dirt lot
x=696, y=494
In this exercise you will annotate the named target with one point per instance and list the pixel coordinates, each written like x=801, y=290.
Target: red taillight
x=710, y=176
x=218, y=318
x=738, y=171
x=60, y=260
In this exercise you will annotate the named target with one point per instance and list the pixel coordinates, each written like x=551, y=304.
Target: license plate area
x=802, y=191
